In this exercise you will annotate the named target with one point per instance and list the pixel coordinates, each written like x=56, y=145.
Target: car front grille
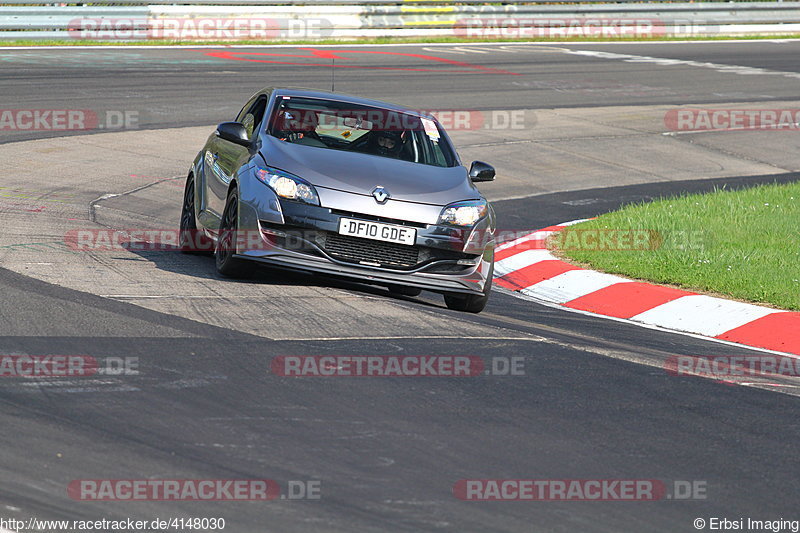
x=367, y=251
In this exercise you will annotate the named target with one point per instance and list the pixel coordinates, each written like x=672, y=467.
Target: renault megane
x=343, y=186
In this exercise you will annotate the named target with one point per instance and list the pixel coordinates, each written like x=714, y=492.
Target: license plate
x=378, y=231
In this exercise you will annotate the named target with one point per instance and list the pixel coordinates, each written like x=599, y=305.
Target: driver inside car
x=385, y=143
x=299, y=126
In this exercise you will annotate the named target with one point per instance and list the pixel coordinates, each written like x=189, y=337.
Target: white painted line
x=663, y=61
x=521, y=260
x=789, y=126
x=573, y=222
x=572, y=284
x=470, y=50
x=530, y=338
x=702, y=314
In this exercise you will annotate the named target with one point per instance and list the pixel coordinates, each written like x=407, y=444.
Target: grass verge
x=743, y=244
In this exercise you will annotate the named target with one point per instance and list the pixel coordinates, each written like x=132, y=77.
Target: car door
x=224, y=158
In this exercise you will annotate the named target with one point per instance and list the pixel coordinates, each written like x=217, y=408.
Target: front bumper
x=304, y=237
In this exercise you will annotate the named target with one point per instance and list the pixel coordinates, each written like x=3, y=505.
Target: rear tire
x=471, y=303
x=190, y=239
x=228, y=265
x=404, y=290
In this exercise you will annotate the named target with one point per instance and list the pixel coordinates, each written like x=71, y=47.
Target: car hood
x=361, y=173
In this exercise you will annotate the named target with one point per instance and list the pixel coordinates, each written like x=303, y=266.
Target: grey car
x=340, y=185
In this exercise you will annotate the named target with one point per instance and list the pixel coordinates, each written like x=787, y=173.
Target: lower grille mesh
x=355, y=249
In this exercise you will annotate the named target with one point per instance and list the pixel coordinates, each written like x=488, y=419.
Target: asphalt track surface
x=201, y=86
x=595, y=401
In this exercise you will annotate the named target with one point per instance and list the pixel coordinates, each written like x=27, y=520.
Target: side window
x=254, y=115
x=243, y=112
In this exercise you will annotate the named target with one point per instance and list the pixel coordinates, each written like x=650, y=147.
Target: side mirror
x=234, y=132
x=480, y=171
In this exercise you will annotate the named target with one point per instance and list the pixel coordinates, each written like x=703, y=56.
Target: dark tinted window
x=370, y=130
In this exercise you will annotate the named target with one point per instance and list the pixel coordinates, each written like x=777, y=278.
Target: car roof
x=340, y=97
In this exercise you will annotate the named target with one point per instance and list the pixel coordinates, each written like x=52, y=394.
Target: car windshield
x=363, y=129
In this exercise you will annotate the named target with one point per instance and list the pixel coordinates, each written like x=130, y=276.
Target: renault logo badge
x=380, y=194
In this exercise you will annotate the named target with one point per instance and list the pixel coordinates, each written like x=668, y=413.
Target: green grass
x=379, y=40
x=743, y=244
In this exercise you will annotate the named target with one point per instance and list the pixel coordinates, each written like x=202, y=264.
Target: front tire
x=190, y=239
x=471, y=303
x=228, y=265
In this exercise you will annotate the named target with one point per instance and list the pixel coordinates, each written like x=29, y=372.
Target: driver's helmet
x=297, y=120
x=387, y=143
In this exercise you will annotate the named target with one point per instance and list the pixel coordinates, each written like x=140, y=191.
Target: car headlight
x=464, y=213
x=288, y=185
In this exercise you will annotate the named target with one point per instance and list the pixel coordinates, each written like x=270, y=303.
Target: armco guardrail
x=318, y=19
x=338, y=2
